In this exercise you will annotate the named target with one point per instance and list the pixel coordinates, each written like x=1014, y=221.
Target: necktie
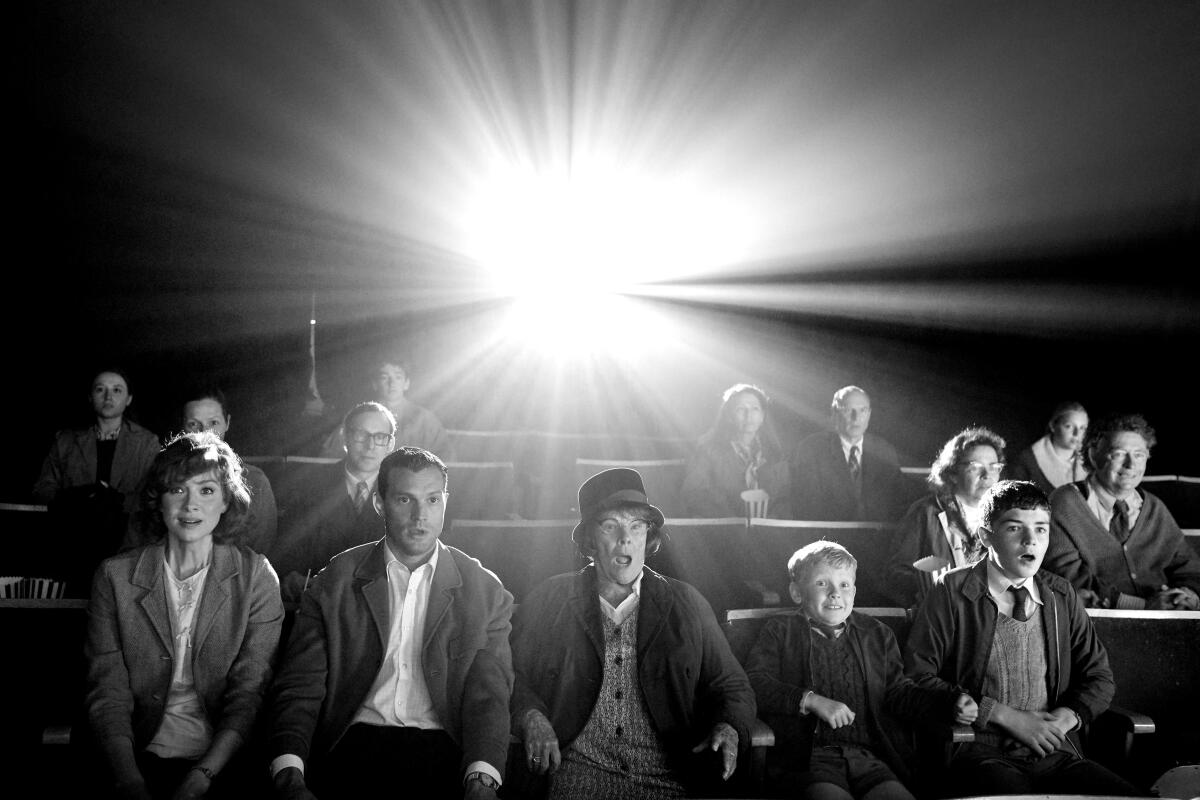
x=829, y=631
x=1020, y=603
x=360, y=496
x=855, y=467
x=1118, y=526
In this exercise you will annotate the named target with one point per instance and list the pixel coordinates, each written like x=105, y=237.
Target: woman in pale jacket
x=182, y=632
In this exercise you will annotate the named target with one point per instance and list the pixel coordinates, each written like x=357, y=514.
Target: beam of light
x=565, y=247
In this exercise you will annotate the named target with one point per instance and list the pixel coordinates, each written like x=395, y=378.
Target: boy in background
x=828, y=679
x=1020, y=643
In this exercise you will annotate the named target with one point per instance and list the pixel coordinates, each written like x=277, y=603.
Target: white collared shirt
x=998, y=584
x=1101, y=502
x=626, y=606
x=399, y=695
x=847, y=444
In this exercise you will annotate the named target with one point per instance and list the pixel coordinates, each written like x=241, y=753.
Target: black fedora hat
x=610, y=488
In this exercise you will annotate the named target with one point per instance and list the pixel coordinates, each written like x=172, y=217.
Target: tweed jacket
x=780, y=672
x=1086, y=554
x=336, y=649
x=952, y=636
x=130, y=647
x=688, y=676
x=823, y=489
x=72, y=462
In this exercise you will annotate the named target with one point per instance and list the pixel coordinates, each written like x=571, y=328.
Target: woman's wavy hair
x=186, y=456
x=723, y=428
x=952, y=452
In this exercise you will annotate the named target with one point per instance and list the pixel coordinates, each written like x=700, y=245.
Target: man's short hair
x=1103, y=431
x=363, y=408
x=953, y=450
x=186, y=456
x=841, y=394
x=822, y=551
x=585, y=544
x=1007, y=495
x=413, y=459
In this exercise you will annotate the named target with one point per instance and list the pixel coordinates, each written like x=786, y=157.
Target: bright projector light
x=566, y=250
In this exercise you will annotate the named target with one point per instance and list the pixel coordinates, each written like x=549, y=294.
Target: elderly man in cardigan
x=1114, y=541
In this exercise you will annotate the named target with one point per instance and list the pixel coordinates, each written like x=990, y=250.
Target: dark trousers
x=239, y=779
x=982, y=769
x=385, y=761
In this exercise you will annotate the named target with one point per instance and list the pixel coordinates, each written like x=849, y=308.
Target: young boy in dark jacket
x=1020, y=643
x=827, y=681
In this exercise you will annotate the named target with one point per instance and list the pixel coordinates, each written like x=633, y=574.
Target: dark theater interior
x=573, y=225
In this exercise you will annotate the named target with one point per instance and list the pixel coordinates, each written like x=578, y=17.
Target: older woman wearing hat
x=625, y=686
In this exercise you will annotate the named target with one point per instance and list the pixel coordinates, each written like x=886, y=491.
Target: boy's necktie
x=1020, y=603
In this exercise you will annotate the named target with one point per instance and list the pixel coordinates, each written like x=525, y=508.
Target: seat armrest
x=761, y=734
x=1131, y=721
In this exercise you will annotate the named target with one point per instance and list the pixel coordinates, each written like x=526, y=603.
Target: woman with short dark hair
x=182, y=631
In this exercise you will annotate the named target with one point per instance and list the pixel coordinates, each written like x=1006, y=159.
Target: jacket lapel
x=1050, y=625
x=147, y=575
x=215, y=595
x=371, y=579
x=584, y=605
x=120, y=455
x=446, y=581
x=85, y=441
x=654, y=607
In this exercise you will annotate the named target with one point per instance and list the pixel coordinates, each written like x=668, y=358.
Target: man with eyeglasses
x=333, y=510
x=1116, y=543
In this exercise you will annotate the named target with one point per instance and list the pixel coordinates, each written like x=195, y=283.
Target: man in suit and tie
x=397, y=674
x=333, y=511
x=847, y=474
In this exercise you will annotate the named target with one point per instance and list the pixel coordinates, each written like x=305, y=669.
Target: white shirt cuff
x=477, y=766
x=284, y=761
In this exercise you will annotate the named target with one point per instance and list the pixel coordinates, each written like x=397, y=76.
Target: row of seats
x=1154, y=657
x=501, y=489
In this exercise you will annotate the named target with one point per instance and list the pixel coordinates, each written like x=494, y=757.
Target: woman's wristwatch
x=484, y=778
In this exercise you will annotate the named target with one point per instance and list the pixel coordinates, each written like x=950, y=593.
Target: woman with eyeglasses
x=181, y=635
x=941, y=530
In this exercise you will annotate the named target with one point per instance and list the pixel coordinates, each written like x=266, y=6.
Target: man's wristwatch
x=484, y=778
